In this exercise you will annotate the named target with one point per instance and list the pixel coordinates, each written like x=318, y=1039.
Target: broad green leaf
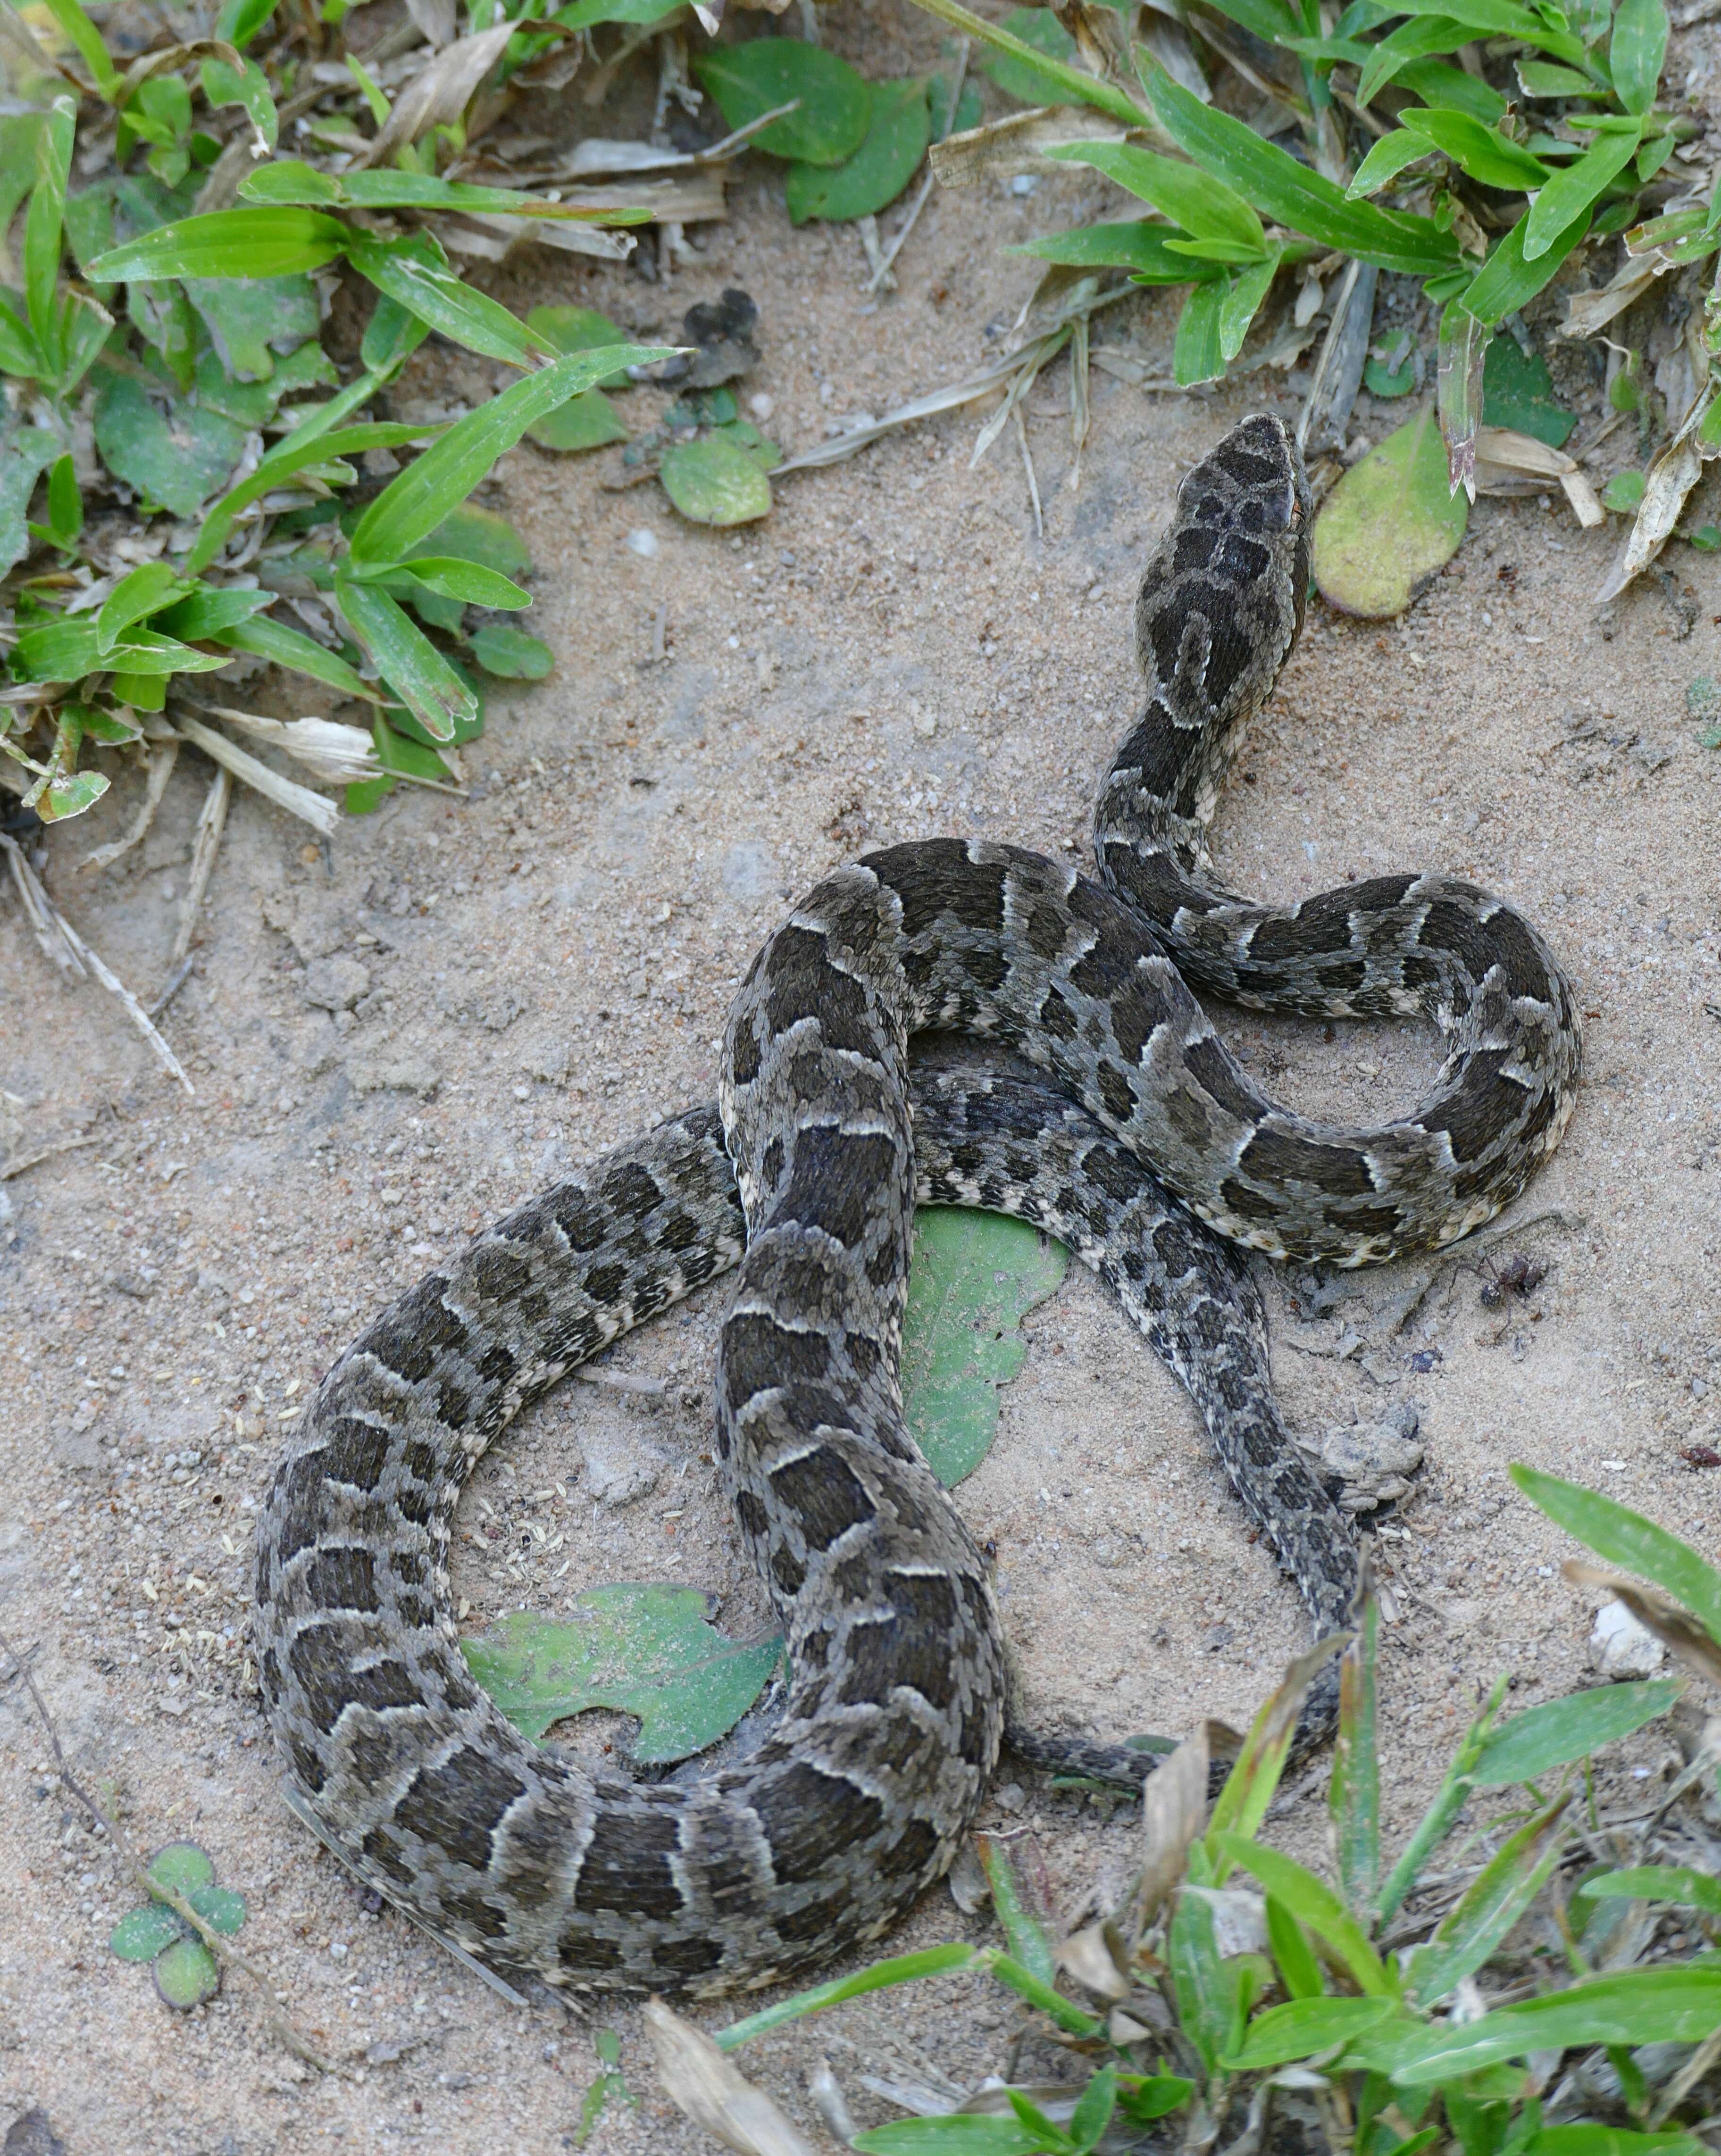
x=240, y=20
x=510, y=653
x=1562, y=1730
x=969, y=112
x=1502, y=18
x=469, y=582
x=1421, y=38
x=876, y=173
x=220, y=1908
x=483, y=536
x=1040, y=30
x=742, y=434
x=85, y=327
x=88, y=40
x=290, y=180
x=1517, y=392
x=1390, y=521
x=406, y=271
x=186, y=1974
x=228, y=243
x=392, y=335
x=836, y=103
x=1093, y=2110
x=650, y=1651
x=1627, y=1539
x=1140, y=244
x=1029, y=1943
x=140, y=1934
x=25, y=452
x=1147, y=2096
x=953, y=2135
x=176, y=458
x=1205, y=1990
x=1304, y=2027
x=1508, y=281
x=1679, y=2003
x=249, y=323
x=1547, y=78
x=714, y=482
x=413, y=504
x=405, y=658
x=1438, y=82
x=1449, y=1800
x=1677, y=1883
x=1612, y=2141
x=401, y=755
x=66, y=651
x=1196, y=354
x=586, y=422
x=1299, y=1972
x=20, y=355
x=1636, y=52
x=144, y=592
x=1492, y=1904
x=1244, y=294
x=579, y=329
x=1354, y=1794
x=208, y=611
x=300, y=654
x=585, y=14
x=1297, y=197
x=247, y=87
x=876, y=1976
x=1312, y=1902
x=181, y=1867
x=973, y=1278
x=1483, y=152
x=1570, y=193
x=1624, y=491
x=1203, y=206
x=1385, y=161
x=44, y=222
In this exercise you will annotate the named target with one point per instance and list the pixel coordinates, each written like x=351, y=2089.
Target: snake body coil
x=819, y=1840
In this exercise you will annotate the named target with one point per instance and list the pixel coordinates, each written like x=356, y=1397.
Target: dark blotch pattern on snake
x=816, y=1843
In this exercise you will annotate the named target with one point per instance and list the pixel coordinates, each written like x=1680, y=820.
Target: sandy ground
x=546, y=968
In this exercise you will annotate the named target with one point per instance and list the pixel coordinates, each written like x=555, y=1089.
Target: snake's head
x=1249, y=488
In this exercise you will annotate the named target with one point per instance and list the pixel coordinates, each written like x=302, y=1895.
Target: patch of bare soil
x=536, y=972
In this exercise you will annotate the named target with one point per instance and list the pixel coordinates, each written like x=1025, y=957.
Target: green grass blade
x=88, y=40
x=45, y=223
x=300, y=654
x=226, y=243
x=1203, y=206
x=406, y=658
x=877, y=1976
x=1080, y=87
x=1509, y=282
x=1028, y=1941
x=1572, y=192
x=1305, y=2028
x=1675, y=1883
x=1241, y=1804
x=1626, y=1538
x=1671, y=2004
x=1637, y=51
x=1299, y=1971
x=1353, y=1793
x=1492, y=1904
x=1561, y=1731
x=1436, y=1822
x=406, y=272
x=1312, y=1902
x=1423, y=36
x=1299, y=198
x=307, y=444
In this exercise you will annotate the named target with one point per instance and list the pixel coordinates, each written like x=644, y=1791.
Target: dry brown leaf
x=716, y=2096
x=1017, y=144
x=1173, y=1810
x=1510, y=463
x=1675, y=472
x=1678, y=1630
x=1092, y=1957
x=438, y=94
x=1586, y=312
x=435, y=19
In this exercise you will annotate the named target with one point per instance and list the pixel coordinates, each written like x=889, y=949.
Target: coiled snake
x=860, y=1797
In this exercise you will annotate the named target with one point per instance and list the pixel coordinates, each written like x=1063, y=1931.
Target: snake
x=1106, y=1107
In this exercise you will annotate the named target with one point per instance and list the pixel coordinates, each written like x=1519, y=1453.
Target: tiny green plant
x=185, y=1971
x=606, y=2088
x=1538, y=1992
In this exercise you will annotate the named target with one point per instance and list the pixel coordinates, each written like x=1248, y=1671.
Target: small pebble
x=760, y=405
x=642, y=543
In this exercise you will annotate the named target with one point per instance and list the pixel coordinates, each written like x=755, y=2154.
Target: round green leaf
x=974, y=1277
x=1624, y=490
x=141, y=1934
x=186, y=1974
x=512, y=653
x=586, y=422
x=1517, y=392
x=836, y=104
x=877, y=172
x=747, y=438
x=714, y=482
x=220, y=1908
x=1390, y=521
x=645, y=1650
x=579, y=329
x=181, y=1867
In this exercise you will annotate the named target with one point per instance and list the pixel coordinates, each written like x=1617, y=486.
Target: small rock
x=926, y=724
x=1621, y=1647
x=411, y=1074
x=77, y=1451
x=1008, y=1797
x=335, y=984
x=131, y=1284
x=760, y=405
x=1216, y=1637
x=32, y=2134
x=643, y=543
x=969, y=1887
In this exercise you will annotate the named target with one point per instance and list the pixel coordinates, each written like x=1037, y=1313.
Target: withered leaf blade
x=715, y=2095
x=439, y=93
x=1675, y=1628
